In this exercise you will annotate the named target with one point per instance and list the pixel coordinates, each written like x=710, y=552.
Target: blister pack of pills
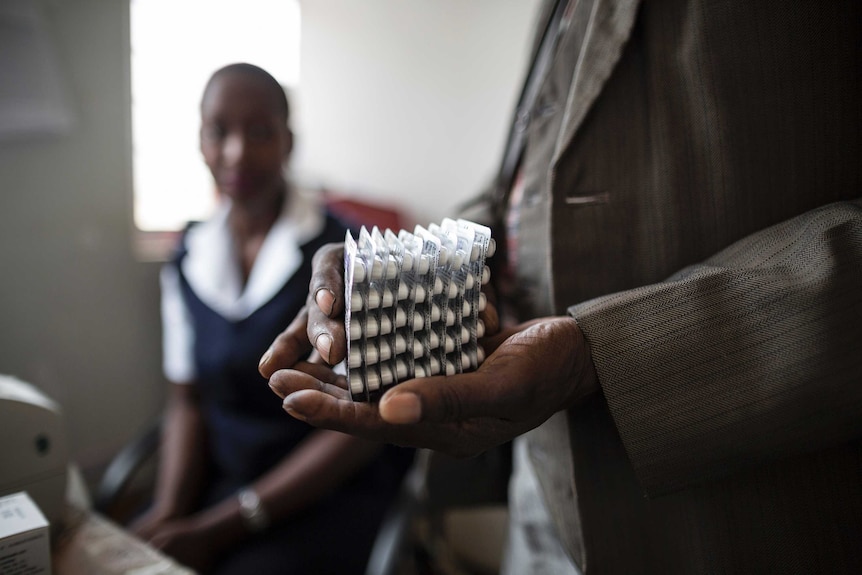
x=413, y=302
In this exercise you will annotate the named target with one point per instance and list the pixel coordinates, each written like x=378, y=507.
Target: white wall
x=77, y=312
x=407, y=99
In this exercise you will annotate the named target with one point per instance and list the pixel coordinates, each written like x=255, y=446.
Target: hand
x=319, y=326
x=543, y=367
x=148, y=524
x=187, y=541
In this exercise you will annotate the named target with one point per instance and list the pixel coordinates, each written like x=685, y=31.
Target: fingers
x=529, y=377
x=492, y=342
x=287, y=381
x=328, y=406
x=327, y=335
x=541, y=368
x=447, y=399
x=490, y=318
x=323, y=373
x=327, y=280
x=360, y=419
x=325, y=327
x=289, y=347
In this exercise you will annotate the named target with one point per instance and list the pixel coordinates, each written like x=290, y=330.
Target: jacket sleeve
x=753, y=354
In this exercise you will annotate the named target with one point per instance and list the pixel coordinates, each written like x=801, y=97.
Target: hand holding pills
x=530, y=372
x=413, y=302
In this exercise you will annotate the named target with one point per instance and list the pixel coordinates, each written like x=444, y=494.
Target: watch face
x=250, y=508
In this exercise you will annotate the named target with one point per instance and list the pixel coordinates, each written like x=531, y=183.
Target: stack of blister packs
x=413, y=303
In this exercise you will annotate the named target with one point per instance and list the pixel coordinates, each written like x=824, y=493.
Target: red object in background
x=358, y=213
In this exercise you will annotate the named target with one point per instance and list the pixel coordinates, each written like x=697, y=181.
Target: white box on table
x=24, y=539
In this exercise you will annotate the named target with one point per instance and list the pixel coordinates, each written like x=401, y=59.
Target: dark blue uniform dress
x=248, y=433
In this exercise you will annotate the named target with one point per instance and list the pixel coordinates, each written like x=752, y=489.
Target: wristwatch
x=253, y=514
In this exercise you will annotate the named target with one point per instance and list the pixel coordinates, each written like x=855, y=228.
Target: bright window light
x=176, y=45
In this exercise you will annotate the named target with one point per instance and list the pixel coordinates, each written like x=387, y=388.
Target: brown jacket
x=691, y=184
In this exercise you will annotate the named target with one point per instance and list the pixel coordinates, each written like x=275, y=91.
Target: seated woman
x=242, y=488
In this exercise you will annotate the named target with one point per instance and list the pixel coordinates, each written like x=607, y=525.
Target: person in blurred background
x=242, y=489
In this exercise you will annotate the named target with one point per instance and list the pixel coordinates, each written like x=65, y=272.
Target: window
x=175, y=47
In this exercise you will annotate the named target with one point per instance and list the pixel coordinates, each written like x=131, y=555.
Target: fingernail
x=323, y=344
x=288, y=407
x=401, y=408
x=276, y=390
x=325, y=304
x=265, y=359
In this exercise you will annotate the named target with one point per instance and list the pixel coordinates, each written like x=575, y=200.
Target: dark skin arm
x=181, y=463
x=532, y=371
x=316, y=467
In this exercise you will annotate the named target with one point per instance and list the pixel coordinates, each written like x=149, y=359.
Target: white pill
x=401, y=369
x=388, y=298
x=453, y=289
x=450, y=344
x=465, y=334
x=376, y=269
x=385, y=325
x=391, y=269
x=443, y=259
x=387, y=376
x=492, y=247
x=356, y=386
x=480, y=354
x=450, y=368
x=385, y=351
x=465, y=308
x=475, y=252
x=418, y=321
x=438, y=286
x=358, y=272
x=433, y=340
x=469, y=281
x=355, y=359
x=480, y=328
x=458, y=260
x=450, y=317
x=483, y=301
x=373, y=381
x=400, y=318
x=400, y=344
x=407, y=262
x=418, y=349
x=424, y=265
x=434, y=366
x=403, y=291
x=465, y=360
x=421, y=371
x=372, y=354
x=419, y=293
x=373, y=299
x=355, y=329
x=355, y=301
x=486, y=275
x=372, y=329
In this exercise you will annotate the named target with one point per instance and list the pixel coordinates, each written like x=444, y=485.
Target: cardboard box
x=25, y=547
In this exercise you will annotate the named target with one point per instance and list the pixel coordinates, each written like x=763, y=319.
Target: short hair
x=259, y=73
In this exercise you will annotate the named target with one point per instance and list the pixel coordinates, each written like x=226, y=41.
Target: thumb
x=490, y=391
x=530, y=375
x=435, y=399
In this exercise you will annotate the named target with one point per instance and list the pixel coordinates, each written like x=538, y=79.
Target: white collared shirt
x=213, y=272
